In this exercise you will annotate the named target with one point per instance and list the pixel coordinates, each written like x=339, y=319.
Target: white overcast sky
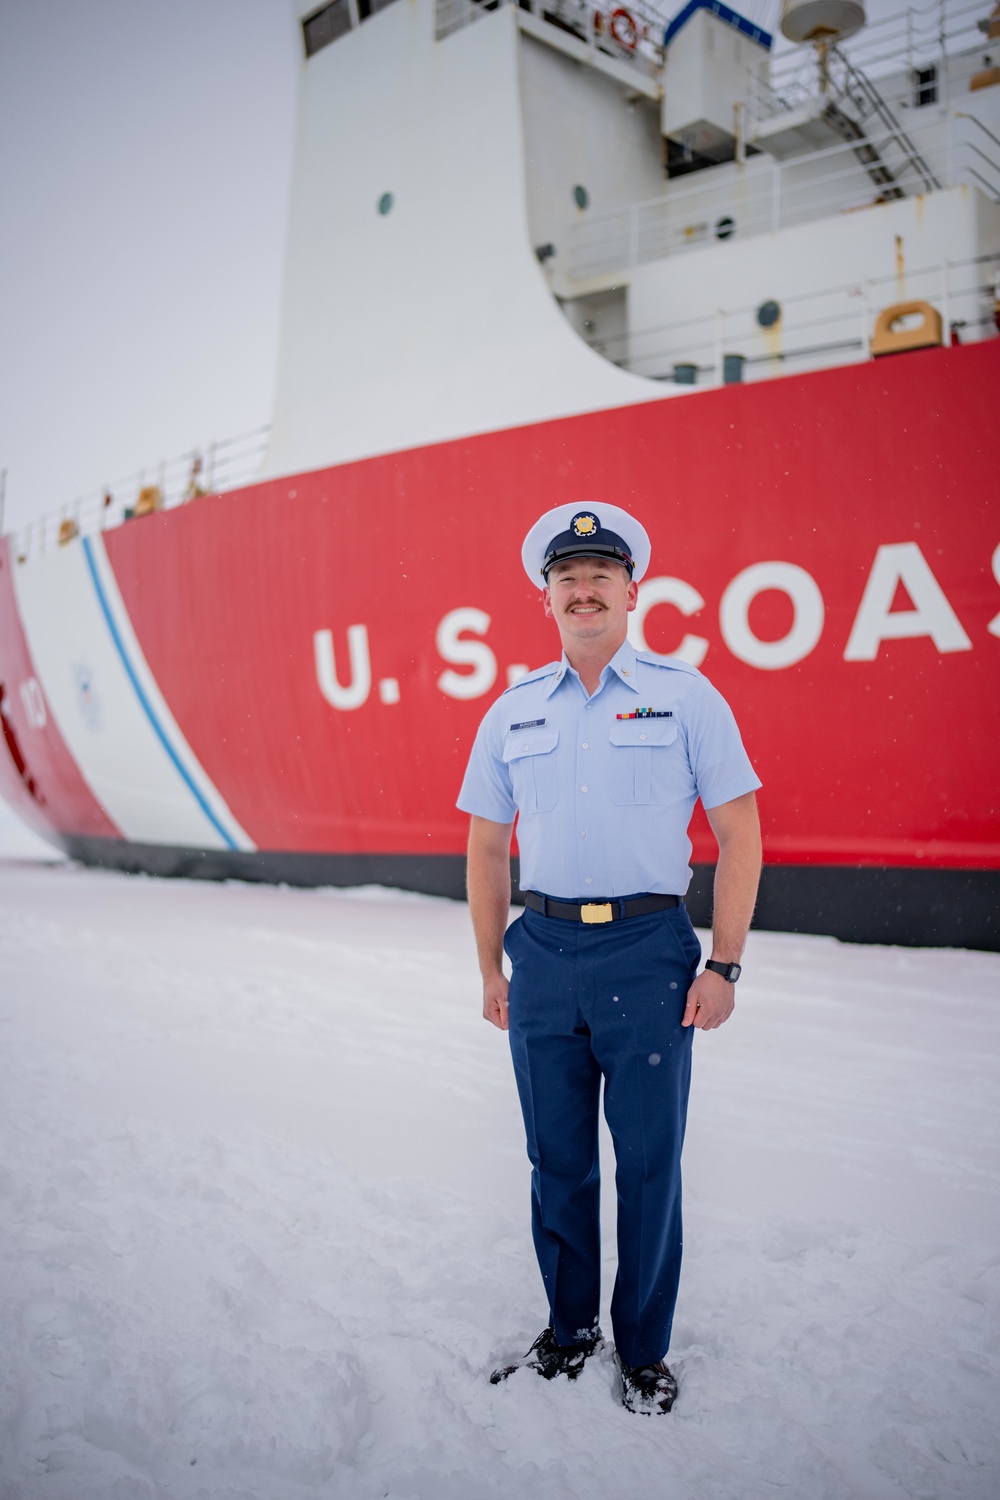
x=145, y=169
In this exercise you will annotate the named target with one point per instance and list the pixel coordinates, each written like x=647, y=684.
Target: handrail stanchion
x=210, y=468
x=717, y=352
x=909, y=41
x=945, y=302
x=775, y=197
x=866, y=293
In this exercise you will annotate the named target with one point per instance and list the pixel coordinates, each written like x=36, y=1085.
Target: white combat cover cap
x=581, y=530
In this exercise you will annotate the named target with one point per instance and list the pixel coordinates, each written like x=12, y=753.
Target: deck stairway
x=847, y=107
x=857, y=112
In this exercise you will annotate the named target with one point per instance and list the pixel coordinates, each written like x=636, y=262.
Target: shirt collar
x=622, y=664
x=557, y=677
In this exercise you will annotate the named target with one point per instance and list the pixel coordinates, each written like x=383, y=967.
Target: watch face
x=729, y=972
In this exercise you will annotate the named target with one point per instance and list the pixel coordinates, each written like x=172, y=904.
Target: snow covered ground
x=264, y=1216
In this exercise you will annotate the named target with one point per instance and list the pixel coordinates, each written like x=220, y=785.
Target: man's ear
x=633, y=594
x=547, y=604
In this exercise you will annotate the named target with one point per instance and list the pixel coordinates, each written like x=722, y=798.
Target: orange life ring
x=625, y=29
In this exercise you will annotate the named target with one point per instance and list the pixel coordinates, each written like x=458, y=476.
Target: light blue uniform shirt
x=603, y=802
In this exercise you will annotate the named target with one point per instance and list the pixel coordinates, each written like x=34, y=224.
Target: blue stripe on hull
x=147, y=707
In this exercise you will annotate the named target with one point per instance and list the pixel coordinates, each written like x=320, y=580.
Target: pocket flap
x=518, y=744
x=643, y=732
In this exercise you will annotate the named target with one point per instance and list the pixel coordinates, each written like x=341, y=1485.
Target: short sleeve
x=719, y=763
x=486, y=789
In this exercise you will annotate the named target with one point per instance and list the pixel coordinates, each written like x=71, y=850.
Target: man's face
x=589, y=598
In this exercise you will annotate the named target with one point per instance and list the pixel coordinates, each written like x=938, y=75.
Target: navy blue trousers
x=587, y=1001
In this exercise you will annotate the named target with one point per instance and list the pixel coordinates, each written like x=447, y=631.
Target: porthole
x=385, y=203
x=725, y=228
x=580, y=196
x=768, y=313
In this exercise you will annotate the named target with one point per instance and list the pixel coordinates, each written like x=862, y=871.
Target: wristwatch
x=729, y=972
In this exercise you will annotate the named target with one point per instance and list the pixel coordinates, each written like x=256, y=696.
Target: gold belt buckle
x=595, y=911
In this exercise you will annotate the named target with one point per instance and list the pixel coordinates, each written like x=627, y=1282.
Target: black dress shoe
x=551, y=1359
x=647, y=1388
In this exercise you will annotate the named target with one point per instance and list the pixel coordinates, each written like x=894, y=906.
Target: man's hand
x=710, y=1001
x=495, y=1000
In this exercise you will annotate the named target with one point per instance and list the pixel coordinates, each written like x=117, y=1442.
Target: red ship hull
x=839, y=529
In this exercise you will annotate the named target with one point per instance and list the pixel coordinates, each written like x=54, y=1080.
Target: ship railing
x=816, y=329
x=603, y=26
x=906, y=41
x=764, y=195
x=217, y=466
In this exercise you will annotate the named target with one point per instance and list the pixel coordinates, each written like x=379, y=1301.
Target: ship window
x=325, y=26
x=925, y=86
x=368, y=8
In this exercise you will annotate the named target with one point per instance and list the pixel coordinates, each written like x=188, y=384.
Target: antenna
x=822, y=22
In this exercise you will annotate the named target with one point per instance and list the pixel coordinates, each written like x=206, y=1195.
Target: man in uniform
x=601, y=756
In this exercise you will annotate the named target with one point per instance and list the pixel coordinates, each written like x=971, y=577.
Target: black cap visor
x=602, y=544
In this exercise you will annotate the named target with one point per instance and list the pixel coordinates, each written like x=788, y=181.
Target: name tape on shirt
x=648, y=713
x=529, y=724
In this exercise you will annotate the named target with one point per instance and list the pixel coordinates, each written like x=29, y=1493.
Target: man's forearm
x=489, y=901
x=737, y=876
x=489, y=905
x=488, y=884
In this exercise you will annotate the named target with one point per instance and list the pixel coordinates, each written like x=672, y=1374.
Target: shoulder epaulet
x=539, y=672
x=671, y=663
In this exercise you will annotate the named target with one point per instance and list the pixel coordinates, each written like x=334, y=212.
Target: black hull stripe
x=925, y=908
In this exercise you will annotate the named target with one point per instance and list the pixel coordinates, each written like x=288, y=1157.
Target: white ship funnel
x=821, y=20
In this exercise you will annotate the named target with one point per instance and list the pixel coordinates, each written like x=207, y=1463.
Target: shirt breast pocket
x=531, y=760
x=641, y=757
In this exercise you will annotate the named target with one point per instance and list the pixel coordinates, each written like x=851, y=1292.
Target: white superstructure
x=464, y=171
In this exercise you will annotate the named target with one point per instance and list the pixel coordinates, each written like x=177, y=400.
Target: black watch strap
x=729, y=972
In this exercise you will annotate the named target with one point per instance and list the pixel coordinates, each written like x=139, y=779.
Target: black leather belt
x=598, y=911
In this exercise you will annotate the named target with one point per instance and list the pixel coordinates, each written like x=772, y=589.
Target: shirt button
x=583, y=833
x=527, y=745
x=642, y=736
x=585, y=746
x=590, y=880
x=585, y=789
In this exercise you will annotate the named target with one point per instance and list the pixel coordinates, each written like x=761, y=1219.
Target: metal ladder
x=855, y=104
